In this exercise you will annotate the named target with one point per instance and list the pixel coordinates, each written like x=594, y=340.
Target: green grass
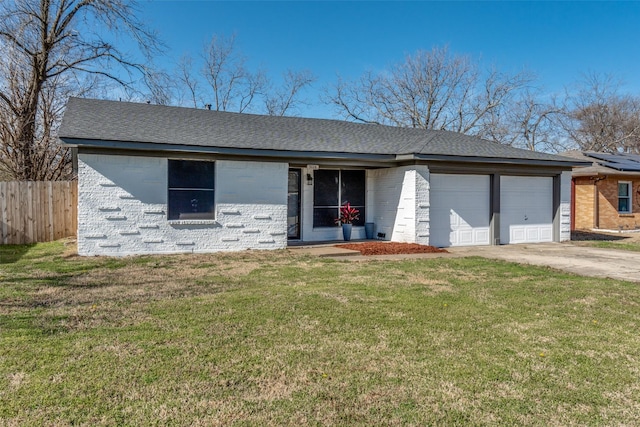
x=271, y=338
x=628, y=246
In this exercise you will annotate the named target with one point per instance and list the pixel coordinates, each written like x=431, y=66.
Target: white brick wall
x=388, y=203
x=122, y=208
x=565, y=206
x=400, y=203
x=423, y=205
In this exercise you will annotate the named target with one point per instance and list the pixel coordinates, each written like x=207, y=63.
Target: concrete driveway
x=613, y=263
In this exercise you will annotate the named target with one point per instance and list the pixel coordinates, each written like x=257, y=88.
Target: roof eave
x=382, y=158
x=148, y=146
x=588, y=172
x=501, y=160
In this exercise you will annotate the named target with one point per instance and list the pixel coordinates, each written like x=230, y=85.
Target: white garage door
x=526, y=209
x=459, y=210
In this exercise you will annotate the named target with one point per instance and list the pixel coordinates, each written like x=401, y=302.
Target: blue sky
x=556, y=40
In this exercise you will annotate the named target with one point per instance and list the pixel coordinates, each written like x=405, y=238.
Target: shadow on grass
x=54, y=280
x=13, y=253
x=70, y=290
x=592, y=235
x=33, y=323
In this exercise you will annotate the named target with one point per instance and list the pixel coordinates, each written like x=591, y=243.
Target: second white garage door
x=526, y=207
x=459, y=210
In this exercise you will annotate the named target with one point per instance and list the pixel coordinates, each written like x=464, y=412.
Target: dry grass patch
x=433, y=286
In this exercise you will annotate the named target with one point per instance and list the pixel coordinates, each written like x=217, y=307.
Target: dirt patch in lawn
x=390, y=248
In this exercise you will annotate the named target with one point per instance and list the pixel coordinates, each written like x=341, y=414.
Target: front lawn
x=623, y=241
x=627, y=246
x=273, y=338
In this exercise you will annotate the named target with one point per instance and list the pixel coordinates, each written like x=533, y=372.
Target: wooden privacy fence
x=37, y=211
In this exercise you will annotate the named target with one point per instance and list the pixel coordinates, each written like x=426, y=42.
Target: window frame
x=361, y=208
x=198, y=217
x=629, y=185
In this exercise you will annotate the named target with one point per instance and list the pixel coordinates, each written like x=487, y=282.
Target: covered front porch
x=392, y=203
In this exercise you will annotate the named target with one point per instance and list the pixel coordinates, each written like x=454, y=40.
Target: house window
x=191, y=190
x=624, y=197
x=332, y=189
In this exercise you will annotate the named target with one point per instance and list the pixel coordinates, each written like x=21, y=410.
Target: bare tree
x=285, y=99
x=189, y=82
x=160, y=87
x=48, y=50
x=47, y=159
x=526, y=122
x=430, y=90
x=233, y=87
x=599, y=118
x=227, y=84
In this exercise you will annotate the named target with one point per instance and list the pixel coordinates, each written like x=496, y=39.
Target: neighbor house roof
x=115, y=124
x=605, y=164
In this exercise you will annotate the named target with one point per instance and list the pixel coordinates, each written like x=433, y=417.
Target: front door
x=293, y=202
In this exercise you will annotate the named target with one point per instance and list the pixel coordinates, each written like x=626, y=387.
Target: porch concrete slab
x=585, y=261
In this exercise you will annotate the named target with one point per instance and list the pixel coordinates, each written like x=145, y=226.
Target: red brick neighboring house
x=605, y=195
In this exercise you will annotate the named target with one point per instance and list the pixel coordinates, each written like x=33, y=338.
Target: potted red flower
x=347, y=216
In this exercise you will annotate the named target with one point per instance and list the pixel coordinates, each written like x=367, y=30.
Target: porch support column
x=556, y=208
x=494, y=208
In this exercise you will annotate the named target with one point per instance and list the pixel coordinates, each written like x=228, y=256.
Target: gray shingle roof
x=100, y=120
